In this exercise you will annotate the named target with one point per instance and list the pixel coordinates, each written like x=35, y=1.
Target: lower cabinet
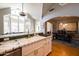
x=39, y=51
x=30, y=54
x=40, y=48
x=28, y=50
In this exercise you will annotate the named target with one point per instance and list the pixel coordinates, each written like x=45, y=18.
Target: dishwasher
x=16, y=52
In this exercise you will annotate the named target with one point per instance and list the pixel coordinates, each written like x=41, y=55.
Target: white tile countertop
x=13, y=44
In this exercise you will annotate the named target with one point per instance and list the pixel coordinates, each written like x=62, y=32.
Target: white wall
x=3, y=12
x=66, y=10
x=34, y=9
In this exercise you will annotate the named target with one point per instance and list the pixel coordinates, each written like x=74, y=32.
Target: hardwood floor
x=60, y=49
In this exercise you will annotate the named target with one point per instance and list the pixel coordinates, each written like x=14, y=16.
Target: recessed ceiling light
x=62, y=4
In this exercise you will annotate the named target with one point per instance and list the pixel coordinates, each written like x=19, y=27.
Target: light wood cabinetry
x=47, y=46
x=39, y=48
x=28, y=49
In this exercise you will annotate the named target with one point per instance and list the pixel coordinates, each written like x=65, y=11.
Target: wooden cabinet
x=40, y=48
x=35, y=47
x=28, y=49
x=30, y=54
x=47, y=46
x=39, y=51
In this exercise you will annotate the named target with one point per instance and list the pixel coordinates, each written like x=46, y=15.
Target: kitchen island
x=34, y=46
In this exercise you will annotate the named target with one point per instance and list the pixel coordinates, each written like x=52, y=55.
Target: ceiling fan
x=22, y=12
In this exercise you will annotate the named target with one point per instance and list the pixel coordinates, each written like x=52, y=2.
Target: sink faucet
x=28, y=33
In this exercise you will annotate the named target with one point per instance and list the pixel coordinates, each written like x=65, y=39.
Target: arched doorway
x=70, y=23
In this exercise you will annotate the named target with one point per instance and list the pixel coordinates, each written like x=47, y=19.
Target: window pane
x=21, y=24
x=14, y=23
x=6, y=24
x=27, y=26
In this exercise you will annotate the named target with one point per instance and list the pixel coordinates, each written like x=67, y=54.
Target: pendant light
x=22, y=13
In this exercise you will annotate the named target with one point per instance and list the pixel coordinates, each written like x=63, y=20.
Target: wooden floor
x=60, y=49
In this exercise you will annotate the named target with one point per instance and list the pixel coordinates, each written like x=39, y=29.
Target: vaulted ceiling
x=37, y=10
x=48, y=7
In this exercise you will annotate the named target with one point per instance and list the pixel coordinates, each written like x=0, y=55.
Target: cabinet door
x=38, y=44
x=50, y=44
x=40, y=51
x=31, y=54
x=47, y=46
x=27, y=49
x=36, y=52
